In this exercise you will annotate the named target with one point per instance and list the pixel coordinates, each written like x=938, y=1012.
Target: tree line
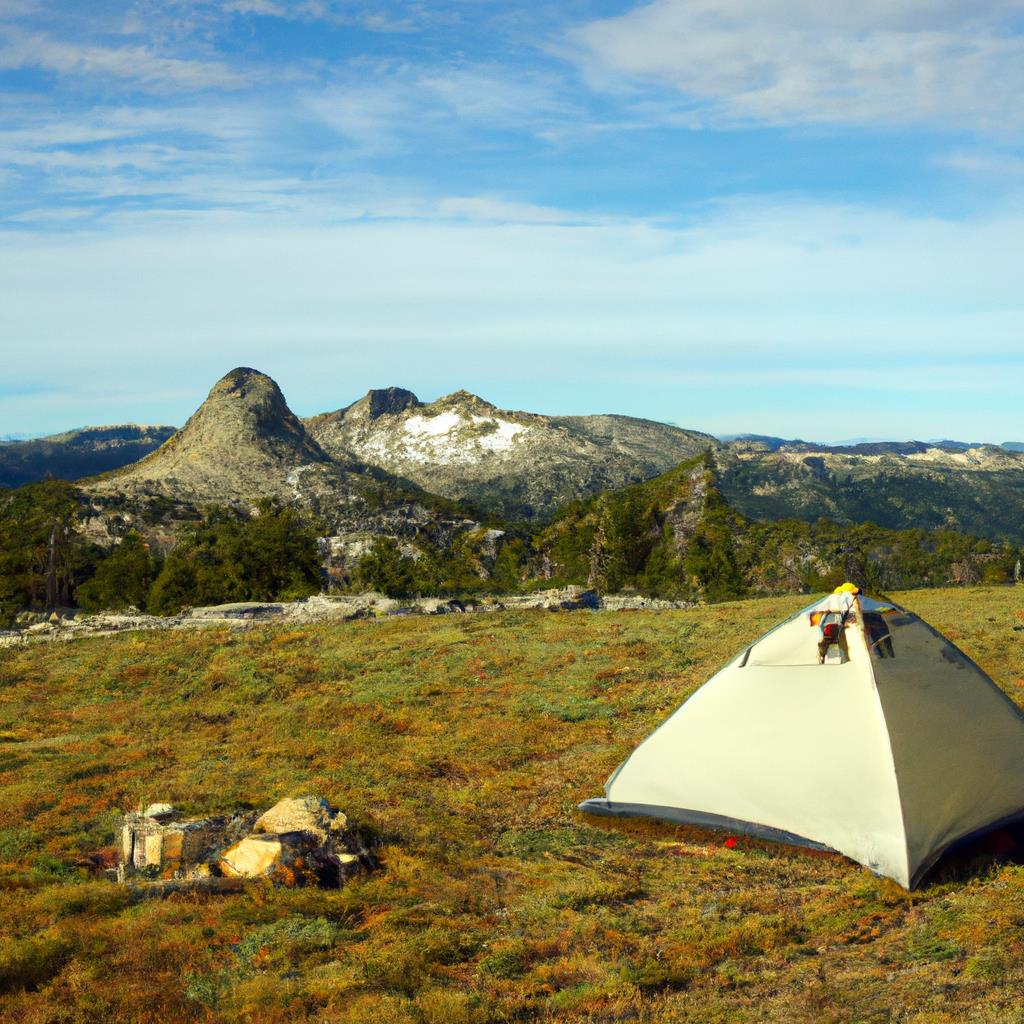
x=633, y=539
x=46, y=561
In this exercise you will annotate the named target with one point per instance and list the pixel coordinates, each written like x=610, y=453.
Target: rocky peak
x=379, y=402
x=464, y=401
x=247, y=406
x=243, y=441
x=245, y=389
x=517, y=464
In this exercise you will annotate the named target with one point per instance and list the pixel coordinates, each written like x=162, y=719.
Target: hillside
x=78, y=453
x=900, y=486
x=679, y=536
x=516, y=465
x=463, y=744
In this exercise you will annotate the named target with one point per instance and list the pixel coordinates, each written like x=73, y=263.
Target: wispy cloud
x=630, y=317
x=385, y=108
x=896, y=62
x=986, y=164
x=137, y=64
x=372, y=17
x=316, y=183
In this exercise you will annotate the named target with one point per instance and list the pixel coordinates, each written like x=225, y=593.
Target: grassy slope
x=466, y=742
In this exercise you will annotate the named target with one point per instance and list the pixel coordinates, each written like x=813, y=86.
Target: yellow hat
x=847, y=588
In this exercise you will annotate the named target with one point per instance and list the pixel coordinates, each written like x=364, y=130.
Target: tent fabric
x=887, y=745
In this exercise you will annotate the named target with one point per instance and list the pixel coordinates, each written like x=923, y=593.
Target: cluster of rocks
x=69, y=624
x=299, y=841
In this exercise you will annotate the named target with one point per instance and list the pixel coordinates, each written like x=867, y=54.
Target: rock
x=299, y=841
x=173, y=849
x=311, y=815
x=161, y=811
x=565, y=599
x=243, y=610
x=289, y=860
x=253, y=857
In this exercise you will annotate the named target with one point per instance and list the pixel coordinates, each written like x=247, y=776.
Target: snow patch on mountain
x=448, y=438
x=432, y=426
x=502, y=437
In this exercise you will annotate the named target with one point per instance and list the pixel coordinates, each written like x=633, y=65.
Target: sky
x=791, y=217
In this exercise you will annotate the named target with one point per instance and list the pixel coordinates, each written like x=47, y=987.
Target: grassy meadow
x=464, y=744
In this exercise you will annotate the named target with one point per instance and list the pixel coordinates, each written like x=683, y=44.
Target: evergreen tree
x=386, y=569
x=273, y=556
x=506, y=576
x=122, y=580
x=42, y=558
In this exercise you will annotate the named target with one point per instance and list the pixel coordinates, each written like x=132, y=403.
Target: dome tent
x=851, y=726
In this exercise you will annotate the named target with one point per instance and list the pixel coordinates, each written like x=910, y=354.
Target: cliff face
x=517, y=465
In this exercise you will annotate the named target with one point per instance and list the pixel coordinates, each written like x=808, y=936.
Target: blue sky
x=780, y=216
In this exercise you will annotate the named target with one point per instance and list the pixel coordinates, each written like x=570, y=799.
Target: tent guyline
x=852, y=726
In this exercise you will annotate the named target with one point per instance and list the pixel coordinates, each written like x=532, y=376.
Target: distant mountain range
x=392, y=464
x=865, y=446
x=77, y=453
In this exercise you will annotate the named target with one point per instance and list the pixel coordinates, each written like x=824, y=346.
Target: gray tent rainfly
x=852, y=726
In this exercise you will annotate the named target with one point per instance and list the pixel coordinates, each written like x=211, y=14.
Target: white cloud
x=505, y=211
x=941, y=62
x=17, y=8
x=756, y=307
x=266, y=8
x=138, y=64
x=369, y=16
x=384, y=108
x=988, y=164
x=788, y=282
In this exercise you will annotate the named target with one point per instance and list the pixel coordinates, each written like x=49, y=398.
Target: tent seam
x=888, y=739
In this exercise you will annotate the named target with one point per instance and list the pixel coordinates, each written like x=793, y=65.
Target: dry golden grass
x=464, y=743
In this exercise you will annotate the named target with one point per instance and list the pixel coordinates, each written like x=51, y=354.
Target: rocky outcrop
x=241, y=444
x=328, y=608
x=156, y=846
x=310, y=815
x=298, y=841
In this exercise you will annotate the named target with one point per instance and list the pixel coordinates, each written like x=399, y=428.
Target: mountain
x=677, y=536
x=241, y=444
x=517, y=465
x=765, y=441
x=78, y=453
x=391, y=464
x=900, y=485
x=244, y=445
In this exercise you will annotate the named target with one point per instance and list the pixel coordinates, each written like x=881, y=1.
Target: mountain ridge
x=390, y=463
x=514, y=464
